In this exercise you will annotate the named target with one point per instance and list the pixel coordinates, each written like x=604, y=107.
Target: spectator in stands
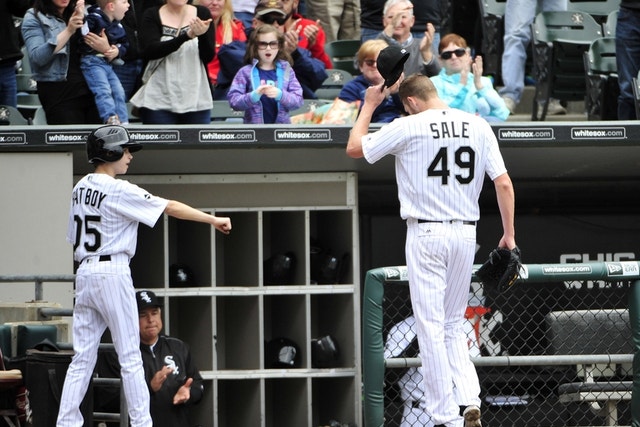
x=398, y=19
x=51, y=38
x=244, y=11
x=10, y=51
x=176, y=37
x=97, y=65
x=355, y=89
x=311, y=36
x=130, y=72
x=228, y=29
x=425, y=11
x=173, y=379
x=518, y=16
x=266, y=89
x=310, y=71
x=465, y=90
x=340, y=19
x=627, y=56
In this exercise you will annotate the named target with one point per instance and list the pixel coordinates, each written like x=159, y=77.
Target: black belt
x=104, y=258
x=422, y=221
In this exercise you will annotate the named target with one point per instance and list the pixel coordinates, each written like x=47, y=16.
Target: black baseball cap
x=390, y=63
x=146, y=299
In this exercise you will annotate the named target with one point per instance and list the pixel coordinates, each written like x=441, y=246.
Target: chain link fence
x=550, y=329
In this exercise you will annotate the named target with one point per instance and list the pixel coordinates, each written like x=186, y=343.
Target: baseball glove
x=501, y=270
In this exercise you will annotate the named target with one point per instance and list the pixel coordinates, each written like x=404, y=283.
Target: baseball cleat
x=471, y=416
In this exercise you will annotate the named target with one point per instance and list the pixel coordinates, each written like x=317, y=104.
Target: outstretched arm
x=506, y=204
x=182, y=211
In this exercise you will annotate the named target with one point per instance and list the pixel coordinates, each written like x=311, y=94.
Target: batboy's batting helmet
x=107, y=144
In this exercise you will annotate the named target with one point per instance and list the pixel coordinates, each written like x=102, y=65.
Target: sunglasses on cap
x=449, y=53
x=271, y=18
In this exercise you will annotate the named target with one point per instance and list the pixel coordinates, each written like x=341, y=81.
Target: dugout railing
x=556, y=349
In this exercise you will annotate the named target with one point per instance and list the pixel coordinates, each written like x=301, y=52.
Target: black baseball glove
x=501, y=270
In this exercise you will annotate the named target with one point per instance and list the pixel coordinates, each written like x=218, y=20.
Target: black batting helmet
x=107, y=144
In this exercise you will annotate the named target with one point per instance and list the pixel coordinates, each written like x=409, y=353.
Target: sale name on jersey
x=450, y=129
x=88, y=196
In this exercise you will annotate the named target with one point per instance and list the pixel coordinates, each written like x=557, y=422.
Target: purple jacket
x=242, y=98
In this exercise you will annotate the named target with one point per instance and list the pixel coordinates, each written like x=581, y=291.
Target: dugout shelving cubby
x=235, y=301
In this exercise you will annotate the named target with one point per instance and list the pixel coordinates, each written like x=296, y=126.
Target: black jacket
x=170, y=351
x=9, y=34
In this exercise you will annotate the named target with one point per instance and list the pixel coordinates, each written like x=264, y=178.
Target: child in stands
x=266, y=89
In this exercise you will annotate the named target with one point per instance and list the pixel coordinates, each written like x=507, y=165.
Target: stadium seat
x=28, y=103
x=11, y=116
x=609, y=26
x=222, y=112
x=492, y=12
x=40, y=117
x=560, y=39
x=309, y=105
x=28, y=336
x=601, y=80
x=598, y=9
x=333, y=84
x=343, y=54
x=24, y=76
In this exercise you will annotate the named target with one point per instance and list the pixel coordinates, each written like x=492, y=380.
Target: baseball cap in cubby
x=146, y=299
x=269, y=6
x=390, y=63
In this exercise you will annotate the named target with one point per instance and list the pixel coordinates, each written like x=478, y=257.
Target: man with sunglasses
x=311, y=36
x=398, y=19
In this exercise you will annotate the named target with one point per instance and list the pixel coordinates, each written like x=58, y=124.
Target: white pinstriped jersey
x=441, y=159
x=105, y=213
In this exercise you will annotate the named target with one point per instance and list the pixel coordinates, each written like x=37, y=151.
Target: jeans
x=129, y=75
x=627, y=59
x=518, y=16
x=368, y=34
x=8, y=85
x=164, y=117
x=105, y=86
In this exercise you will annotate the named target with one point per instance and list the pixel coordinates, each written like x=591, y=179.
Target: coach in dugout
x=174, y=381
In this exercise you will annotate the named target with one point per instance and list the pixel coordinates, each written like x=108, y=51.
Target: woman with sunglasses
x=465, y=90
x=266, y=89
x=355, y=89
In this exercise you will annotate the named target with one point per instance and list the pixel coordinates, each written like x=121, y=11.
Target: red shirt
x=317, y=49
x=237, y=34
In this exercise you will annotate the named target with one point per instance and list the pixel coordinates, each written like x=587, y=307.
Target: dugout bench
x=581, y=332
